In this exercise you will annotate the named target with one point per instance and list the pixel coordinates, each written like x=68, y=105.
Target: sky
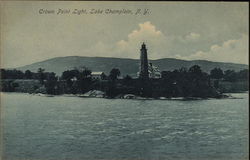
x=214, y=31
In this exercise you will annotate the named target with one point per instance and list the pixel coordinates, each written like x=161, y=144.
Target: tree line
x=192, y=82
x=216, y=73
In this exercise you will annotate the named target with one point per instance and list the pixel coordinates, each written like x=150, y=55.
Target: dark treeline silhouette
x=229, y=75
x=77, y=80
x=17, y=74
x=183, y=82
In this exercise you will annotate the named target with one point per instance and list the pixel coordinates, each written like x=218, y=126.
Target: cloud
x=192, y=36
x=235, y=50
x=161, y=45
x=147, y=33
x=155, y=40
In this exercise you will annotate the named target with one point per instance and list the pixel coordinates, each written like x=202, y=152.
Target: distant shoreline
x=186, y=84
x=225, y=96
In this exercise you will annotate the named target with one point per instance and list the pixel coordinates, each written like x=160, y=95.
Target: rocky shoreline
x=100, y=94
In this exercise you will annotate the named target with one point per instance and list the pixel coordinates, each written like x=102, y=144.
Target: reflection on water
x=74, y=128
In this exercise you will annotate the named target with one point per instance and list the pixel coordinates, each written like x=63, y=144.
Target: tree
x=69, y=74
x=165, y=74
x=41, y=75
x=196, y=70
x=216, y=73
x=127, y=80
x=195, y=74
x=78, y=80
x=111, y=87
x=11, y=74
x=84, y=80
x=230, y=75
x=3, y=74
x=114, y=73
x=51, y=82
x=86, y=73
x=28, y=74
x=243, y=74
x=103, y=76
x=199, y=85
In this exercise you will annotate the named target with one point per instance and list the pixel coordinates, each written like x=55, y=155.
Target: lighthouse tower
x=144, y=63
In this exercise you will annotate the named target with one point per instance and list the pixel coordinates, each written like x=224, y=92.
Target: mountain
x=126, y=66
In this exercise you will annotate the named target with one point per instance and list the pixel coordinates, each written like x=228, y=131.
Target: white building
x=153, y=71
x=97, y=75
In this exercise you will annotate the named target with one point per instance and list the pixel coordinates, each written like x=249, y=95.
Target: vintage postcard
x=124, y=80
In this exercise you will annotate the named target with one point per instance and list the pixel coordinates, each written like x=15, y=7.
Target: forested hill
x=126, y=66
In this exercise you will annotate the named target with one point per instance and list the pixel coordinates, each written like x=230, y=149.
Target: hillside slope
x=126, y=66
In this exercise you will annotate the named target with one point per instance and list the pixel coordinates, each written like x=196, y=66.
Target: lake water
x=72, y=128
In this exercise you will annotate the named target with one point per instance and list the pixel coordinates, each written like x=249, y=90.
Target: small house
x=97, y=75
